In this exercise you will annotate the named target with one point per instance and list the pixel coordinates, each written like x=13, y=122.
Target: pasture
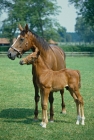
x=17, y=104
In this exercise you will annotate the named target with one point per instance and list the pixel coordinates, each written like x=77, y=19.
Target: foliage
x=85, y=22
x=74, y=37
x=77, y=48
x=67, y=47
x=84, y=30
x=17, y=104
x=4, y=48
x=86, y=9
x=38, y=14
x=65, y=37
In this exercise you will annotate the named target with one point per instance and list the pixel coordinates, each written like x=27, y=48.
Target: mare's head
x=30, y=59
x=22, y=44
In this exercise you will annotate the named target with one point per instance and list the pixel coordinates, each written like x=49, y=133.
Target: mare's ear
x=20, y=27
x=26, y=28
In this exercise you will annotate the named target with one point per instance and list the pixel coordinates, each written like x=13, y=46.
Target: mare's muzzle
x=11, y=54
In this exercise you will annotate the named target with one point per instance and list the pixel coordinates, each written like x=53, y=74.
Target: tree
x=62, y=32
x=38, y=14
x=86, y=9
x=84, y=30
x=64, y=36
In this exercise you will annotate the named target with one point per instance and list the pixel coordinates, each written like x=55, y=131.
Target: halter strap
x=15, y=50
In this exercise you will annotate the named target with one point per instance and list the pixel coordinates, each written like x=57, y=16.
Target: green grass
x=17, y=104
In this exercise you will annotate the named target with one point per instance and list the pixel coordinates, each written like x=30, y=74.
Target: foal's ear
x=26, y=28
x=38, y=53
x=20, y=27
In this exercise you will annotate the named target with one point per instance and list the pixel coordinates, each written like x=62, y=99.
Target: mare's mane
x=44, y=44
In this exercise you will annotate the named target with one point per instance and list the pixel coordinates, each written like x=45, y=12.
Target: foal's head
x=30, y=59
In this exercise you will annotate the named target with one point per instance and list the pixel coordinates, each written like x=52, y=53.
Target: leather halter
x=19, y=52
x=15, y=50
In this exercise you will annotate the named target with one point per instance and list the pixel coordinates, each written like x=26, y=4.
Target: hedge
x=4, y=48
x=66, y=48
x=78, y=48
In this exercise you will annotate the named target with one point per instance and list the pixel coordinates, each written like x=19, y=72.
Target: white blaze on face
x=15, y=40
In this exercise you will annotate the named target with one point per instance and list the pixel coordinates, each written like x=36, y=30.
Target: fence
x=67, y=53
x=79, y=53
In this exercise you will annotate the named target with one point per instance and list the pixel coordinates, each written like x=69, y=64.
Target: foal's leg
x=82, y=115
x=51, y=100
x=44, y=104
x=77, y=105
x=81, y=104
x=43, y=115
x=37, y=97
x=63, y=104
x=78, y=112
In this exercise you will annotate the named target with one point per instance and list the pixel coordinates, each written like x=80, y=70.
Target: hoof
x=43, y=124
x=35, y=119
x=82, y=123
x=63, y=112
x=51, y=121
x=77, y=123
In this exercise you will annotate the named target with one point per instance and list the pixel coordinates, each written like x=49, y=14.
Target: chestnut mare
x=49, y=81
x=52, y=55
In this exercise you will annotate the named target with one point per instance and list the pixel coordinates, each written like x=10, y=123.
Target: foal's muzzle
x=21, y=62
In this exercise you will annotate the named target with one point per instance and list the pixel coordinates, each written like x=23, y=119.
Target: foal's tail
x=79, y=78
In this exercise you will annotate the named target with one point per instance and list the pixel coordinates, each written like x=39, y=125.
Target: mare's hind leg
x=63, y=104
x=37, y=97
x=51, y=100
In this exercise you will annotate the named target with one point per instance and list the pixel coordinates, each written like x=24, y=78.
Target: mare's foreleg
x=63, y=104
x=51, y=100
x=37, y=97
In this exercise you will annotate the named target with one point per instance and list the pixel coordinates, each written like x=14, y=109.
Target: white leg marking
x=82, y=120
x=78, y=120
x=43, y=124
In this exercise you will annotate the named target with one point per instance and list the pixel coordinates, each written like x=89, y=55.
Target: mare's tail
x=79, y=78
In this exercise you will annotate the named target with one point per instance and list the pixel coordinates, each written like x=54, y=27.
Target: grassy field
x=17, y=104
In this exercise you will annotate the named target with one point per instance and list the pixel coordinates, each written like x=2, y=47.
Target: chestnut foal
x=49, y=80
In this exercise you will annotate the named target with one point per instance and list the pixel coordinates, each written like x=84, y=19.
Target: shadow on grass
x=16, y=113
x=22, y=115
x=24, y=121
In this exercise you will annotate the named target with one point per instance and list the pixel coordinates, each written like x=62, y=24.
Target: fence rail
x=79, y=53
x=67, y=53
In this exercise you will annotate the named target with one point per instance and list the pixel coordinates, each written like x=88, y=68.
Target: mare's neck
x=41, y=45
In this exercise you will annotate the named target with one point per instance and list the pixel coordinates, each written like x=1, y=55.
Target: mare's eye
x=21, y=39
